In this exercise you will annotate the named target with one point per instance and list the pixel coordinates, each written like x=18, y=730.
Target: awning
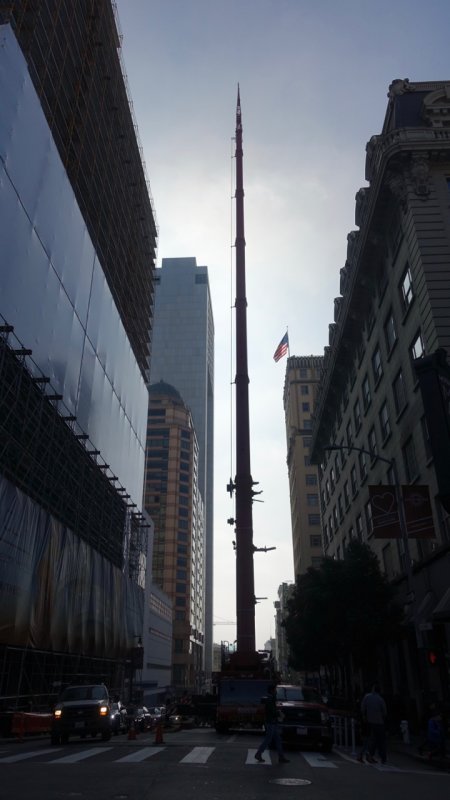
x=442, y=611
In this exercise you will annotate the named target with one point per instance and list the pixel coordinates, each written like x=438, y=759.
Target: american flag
x=282, y=348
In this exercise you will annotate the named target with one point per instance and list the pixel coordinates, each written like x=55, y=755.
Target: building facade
x=173, y=500
x=300, y=389
x=394, y=308
x=73, y=349
x=183, y=356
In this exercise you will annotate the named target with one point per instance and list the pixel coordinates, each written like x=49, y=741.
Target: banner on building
x=385, y=516
x=417, y=509
x=418, y=513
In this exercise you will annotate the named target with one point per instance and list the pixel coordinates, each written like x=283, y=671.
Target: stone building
x=394, y=308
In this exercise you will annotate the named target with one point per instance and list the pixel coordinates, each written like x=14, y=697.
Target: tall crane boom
x=245, y=581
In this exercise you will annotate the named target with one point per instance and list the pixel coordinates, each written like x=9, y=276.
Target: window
x=377, y=366
x=362, y=459
x=357, y=415
x=313, y=519
x=180, y=588
x=181, y=574
x=366, y=392
x=369, y=521
x=340, y=508
x=327, y=489
x=306, y=441
x=332, y=479
x=398, y=388
x=349, y=433
x=426, y=438
x=336, y=467
x=370, y=320
x=373, y=447
x=353, y=480
x=305, y=406
x=385, y=425
x=304, y=389
x=335, y=518
x=303, y=372
x=178, y=645
x=312, y=499
x=315, y=540
x=390, y=332
x=307, y=461
x=410, y=460
x=330, y=528
x=311, y=480
x=346, y=495
x=417, y=350
x=359, y=527
x=406, y=289
x=307, y=424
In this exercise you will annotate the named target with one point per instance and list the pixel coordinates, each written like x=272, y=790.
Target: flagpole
x=287, y=334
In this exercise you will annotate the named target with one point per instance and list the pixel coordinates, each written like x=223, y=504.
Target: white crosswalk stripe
x=198, y=755
x=24, y=756
x=252, y=760
x=139, y=755
x=318, y=760
x=80, y=756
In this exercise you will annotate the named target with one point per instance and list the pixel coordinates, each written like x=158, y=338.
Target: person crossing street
x=272, y=735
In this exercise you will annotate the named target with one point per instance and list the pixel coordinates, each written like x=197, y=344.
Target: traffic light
x=432, y=657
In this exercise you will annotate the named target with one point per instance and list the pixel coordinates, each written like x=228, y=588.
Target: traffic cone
x=159, y=734
x=132, y=732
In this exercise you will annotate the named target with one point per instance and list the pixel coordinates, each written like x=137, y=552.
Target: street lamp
x=411, y=597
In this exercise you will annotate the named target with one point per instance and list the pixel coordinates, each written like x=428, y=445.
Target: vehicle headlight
x=57, y=713
x=104, y=710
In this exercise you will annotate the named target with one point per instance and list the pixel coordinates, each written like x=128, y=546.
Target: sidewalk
x=397, y=745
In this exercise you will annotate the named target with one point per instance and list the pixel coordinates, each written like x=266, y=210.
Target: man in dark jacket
x=272, y=732
x=373, y=709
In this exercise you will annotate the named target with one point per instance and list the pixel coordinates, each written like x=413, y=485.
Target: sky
x=314, y=77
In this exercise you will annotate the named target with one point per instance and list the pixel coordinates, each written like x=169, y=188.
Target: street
x=200, y=765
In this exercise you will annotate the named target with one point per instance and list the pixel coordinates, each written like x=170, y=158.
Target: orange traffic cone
x=159, y=734
x=132, y=731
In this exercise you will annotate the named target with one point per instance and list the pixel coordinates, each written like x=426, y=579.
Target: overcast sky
x=313, y=75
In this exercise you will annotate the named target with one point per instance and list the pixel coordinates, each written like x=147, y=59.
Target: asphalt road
x=200, y=765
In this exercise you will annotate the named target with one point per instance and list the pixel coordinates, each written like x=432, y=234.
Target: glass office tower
x=183, y=356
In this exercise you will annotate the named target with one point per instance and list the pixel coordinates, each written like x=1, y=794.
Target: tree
x=341, y=613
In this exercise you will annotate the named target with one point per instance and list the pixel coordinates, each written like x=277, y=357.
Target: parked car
x=304, y=718
x=139, y=717
x=82, y=711
x=118, y=717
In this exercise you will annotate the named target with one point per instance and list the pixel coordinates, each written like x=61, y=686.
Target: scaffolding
x=45, y=454
x=73, y=55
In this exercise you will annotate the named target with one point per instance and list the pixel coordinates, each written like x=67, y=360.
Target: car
x=118, y=717
x=82, y=710
x=138, y=717
x=304, y=719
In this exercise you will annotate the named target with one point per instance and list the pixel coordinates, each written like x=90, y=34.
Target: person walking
x=374, y=712
x=272, y=735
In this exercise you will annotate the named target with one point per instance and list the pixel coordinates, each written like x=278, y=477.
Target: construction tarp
x=57, y=592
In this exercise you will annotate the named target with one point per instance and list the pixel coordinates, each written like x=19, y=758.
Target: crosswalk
x=142, y=754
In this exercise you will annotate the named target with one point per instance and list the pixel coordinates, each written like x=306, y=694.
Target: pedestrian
x=374, y=712
x=272, y=735
x=435, y=741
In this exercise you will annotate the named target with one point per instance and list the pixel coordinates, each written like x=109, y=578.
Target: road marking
x=140, y=755
x=199, y=755
x=252, y=760
x=23, y=756
x=80, y=756
x=318, y=760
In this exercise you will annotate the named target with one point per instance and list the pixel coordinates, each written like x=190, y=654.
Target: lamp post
x=411, y=596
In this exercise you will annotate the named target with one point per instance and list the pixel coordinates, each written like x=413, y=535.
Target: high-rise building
x=173, y=500
x=183, y=356
x=394, y=308
x=78, y=239
x=300, y=388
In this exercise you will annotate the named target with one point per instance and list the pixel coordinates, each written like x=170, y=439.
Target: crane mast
x=243, y=484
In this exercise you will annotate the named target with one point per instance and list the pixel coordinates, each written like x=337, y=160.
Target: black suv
x=304, y=718
x=82, y=711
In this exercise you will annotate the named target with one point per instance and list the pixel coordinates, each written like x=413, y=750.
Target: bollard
x=404, y=730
